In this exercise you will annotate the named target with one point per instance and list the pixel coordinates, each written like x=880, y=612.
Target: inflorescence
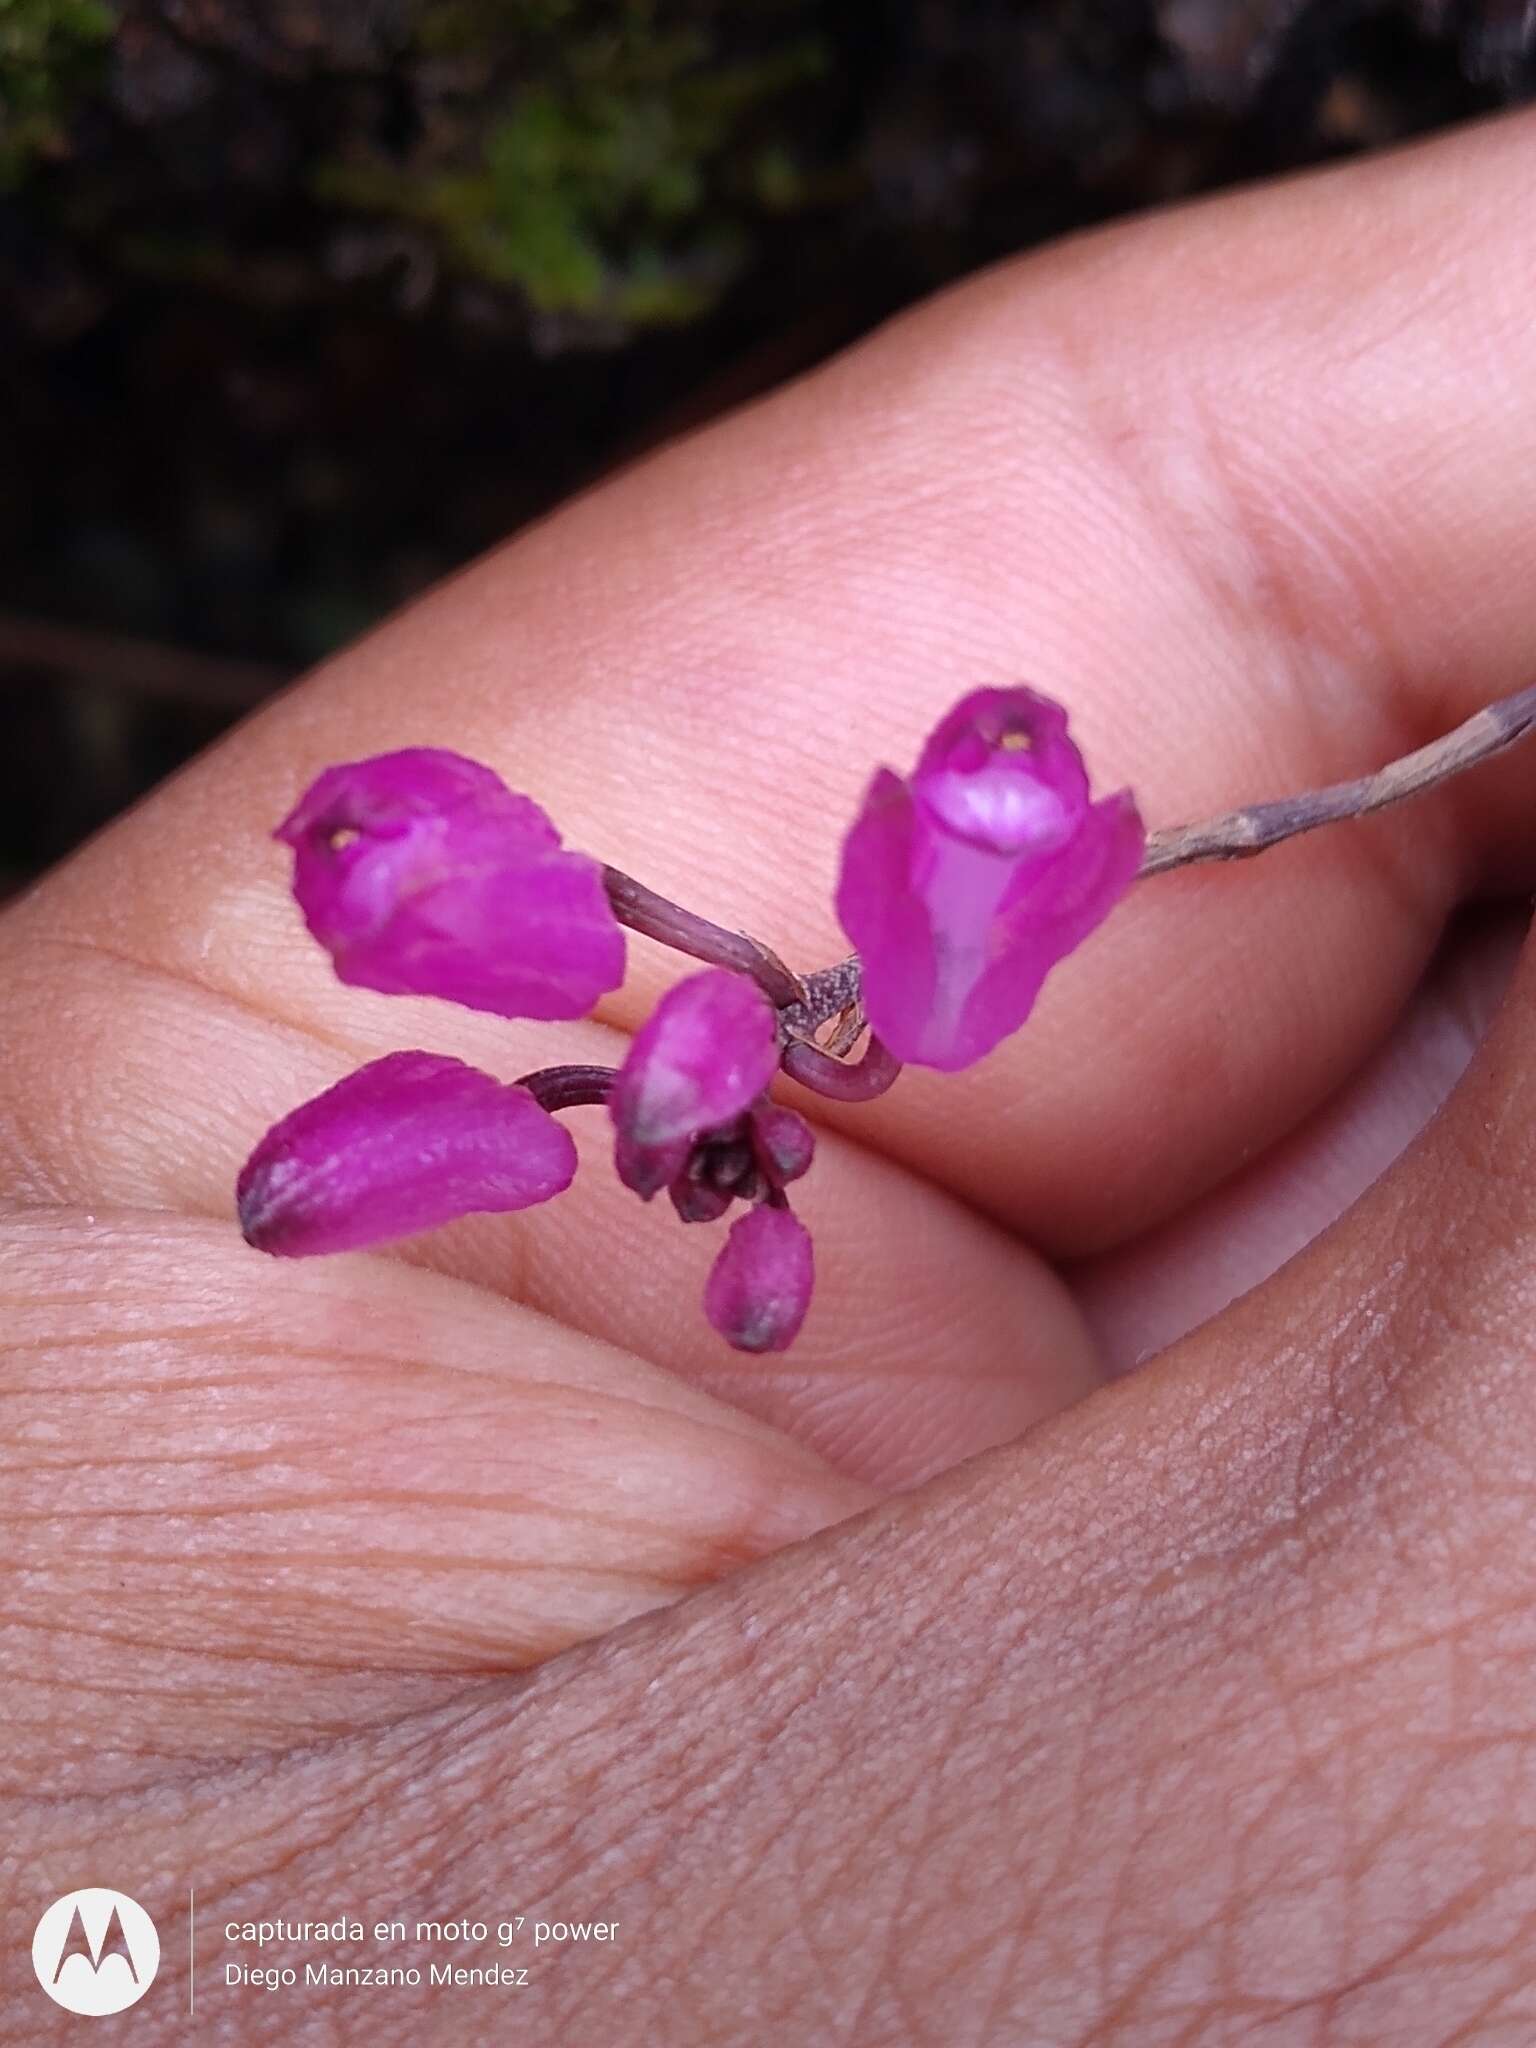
x=421, y=873
x=961, y=887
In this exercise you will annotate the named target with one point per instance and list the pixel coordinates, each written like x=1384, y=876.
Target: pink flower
x=404, y=1143
x=963, y=887
x=421, y=873
x=704, y=1054
x=760, y=1286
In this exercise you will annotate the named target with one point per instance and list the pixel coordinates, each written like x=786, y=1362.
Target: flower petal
x=646, y=1169
x=759, y=1288
x=406, y=1142
x=421, y=873
x=885, y=916
x=706, y=1051
x=783, y=1141
x=963, y=889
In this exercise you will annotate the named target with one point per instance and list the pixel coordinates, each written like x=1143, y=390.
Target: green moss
x=50, y=51
x=614, y=179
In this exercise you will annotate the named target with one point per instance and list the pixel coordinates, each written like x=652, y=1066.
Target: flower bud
x=759, y=1288
x=405, y=1143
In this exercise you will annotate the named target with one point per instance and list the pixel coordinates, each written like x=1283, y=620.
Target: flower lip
x=997, y=809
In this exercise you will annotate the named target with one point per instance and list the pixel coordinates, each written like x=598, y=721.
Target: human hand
x=1198, y=1712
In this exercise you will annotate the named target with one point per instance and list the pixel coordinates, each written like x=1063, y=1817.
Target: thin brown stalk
x=1238, y=835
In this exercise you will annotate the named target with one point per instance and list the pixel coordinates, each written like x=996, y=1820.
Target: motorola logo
x=95, y=1951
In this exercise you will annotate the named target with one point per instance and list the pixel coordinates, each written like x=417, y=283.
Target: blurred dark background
x=303, y=302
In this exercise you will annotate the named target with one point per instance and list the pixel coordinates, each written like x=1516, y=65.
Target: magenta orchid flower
x=422, y=873
x=964, y=886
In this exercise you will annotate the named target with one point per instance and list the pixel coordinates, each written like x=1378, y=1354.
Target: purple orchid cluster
x=421, y=873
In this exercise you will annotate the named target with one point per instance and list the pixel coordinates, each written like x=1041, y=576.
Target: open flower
x=405, y=1143
x=421, y=873
x=963, y=887
x=706, y=1052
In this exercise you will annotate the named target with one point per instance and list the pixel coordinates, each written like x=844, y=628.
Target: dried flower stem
x=842, y=1080
x=568, y=1087
x=1240, y=834
x=657, y=917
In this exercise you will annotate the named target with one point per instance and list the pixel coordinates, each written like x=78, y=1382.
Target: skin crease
x=1200, y=1712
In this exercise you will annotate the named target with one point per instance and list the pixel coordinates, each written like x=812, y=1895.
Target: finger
x=246, y=1506
x=931, y=1334
x=1203, y=1714
x=1146, y=1295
